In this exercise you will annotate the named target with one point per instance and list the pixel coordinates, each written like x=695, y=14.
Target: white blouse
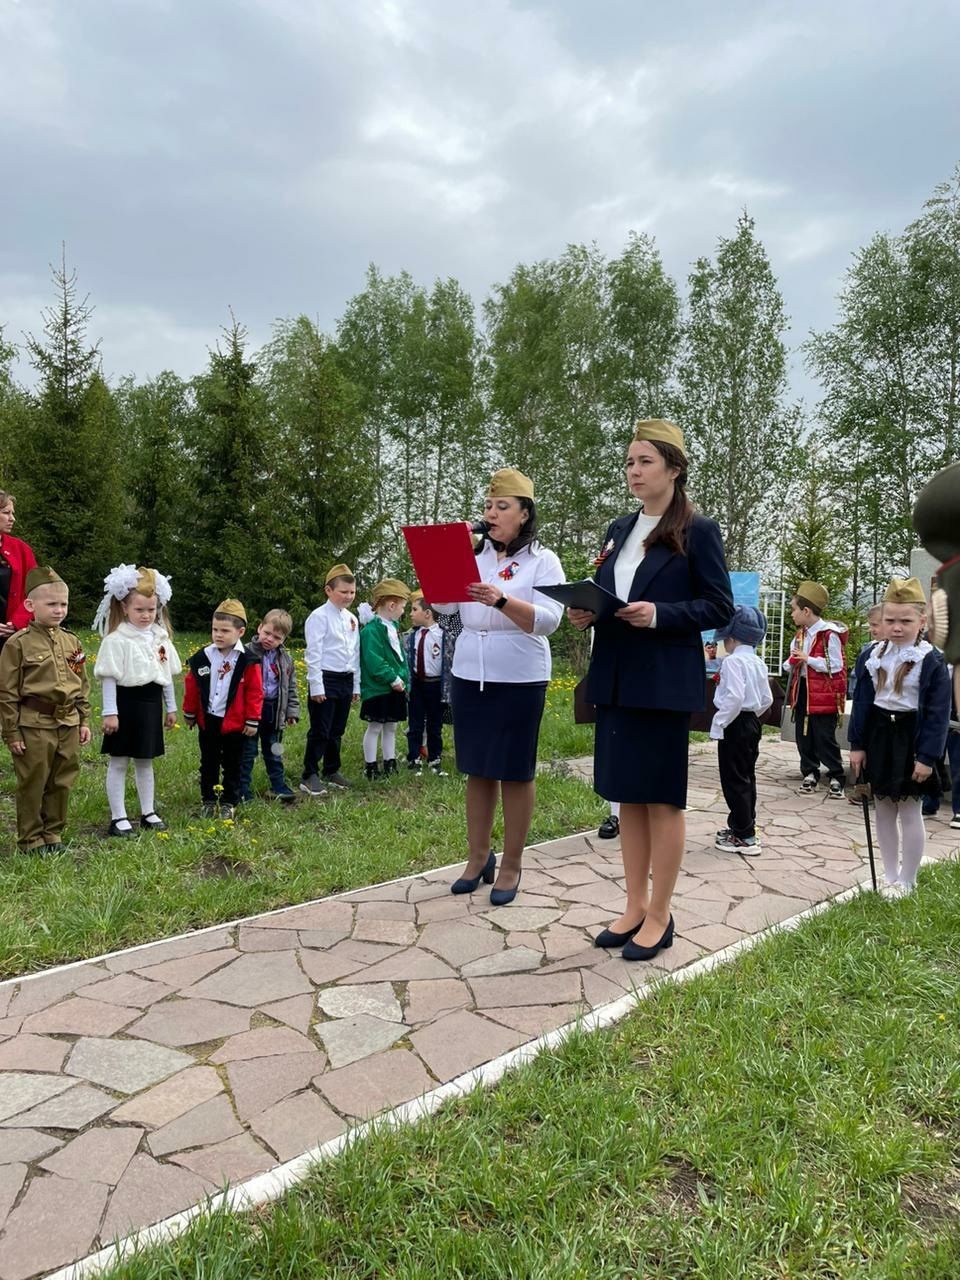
x=631, y=554
x=491, y=647
x=908, y=699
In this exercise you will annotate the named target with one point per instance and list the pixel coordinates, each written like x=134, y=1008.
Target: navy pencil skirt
x=640, y=756
x=495, y=730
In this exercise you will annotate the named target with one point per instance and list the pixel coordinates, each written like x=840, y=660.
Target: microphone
x=480, y=526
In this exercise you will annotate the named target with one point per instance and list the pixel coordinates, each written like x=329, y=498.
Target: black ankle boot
x=389, y=766
x=372, y=771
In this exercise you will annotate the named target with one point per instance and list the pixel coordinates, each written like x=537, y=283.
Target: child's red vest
x=826, y=690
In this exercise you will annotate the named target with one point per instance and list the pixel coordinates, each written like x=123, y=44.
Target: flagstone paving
x=133, y=1086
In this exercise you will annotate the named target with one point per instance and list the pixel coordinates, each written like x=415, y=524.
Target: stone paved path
x=133, y=1085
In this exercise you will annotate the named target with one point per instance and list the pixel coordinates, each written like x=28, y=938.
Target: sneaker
x=809, y=785
x=955, y=822
x=415, y=766
x=208, y=809
x=336, y=780
x=836, y=790
x=609, y=828
x=312, y=786
x=286, y=796
x=436, y=767
x=749, y=846
x=227, y=810
x=723, y=833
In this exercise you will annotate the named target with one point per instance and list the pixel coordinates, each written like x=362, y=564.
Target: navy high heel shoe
x=487, y=875
x=610, y=939
x=503, y=897
x=632, y=951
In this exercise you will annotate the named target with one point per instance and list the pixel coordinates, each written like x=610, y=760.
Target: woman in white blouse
x=501, y=668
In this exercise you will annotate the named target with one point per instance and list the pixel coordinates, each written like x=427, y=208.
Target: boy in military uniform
x=44, y=711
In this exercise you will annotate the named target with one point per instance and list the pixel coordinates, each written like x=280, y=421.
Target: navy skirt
x=891, y=738
x=495, y=730
x=385, y=708
x=640, y=756
x=140, y=712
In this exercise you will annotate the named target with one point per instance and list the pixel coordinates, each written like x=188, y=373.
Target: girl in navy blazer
x=646, y=675
x=898, y=729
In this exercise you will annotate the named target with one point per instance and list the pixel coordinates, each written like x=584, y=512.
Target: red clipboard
x=443, y=559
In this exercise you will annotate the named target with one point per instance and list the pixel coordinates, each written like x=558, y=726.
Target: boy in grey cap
x=742, y=696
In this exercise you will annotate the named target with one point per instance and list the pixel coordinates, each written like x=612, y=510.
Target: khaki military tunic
x=44, y=701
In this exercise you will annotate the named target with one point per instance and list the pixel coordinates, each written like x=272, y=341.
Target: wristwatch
x=499, y=604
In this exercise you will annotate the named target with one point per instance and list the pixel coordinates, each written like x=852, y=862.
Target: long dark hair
x=674, y=525
x=528, y=530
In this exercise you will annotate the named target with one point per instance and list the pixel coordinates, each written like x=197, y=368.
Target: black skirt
x=495, y=729
x=890, y=746
x=385, y=708
x=640, y=756
x=140, y=712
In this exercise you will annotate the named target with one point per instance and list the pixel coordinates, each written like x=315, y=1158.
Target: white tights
x=117, y=785
x=372, y=736
x=901, y=850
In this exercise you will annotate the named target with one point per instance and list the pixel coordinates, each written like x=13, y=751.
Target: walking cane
x=862, y=789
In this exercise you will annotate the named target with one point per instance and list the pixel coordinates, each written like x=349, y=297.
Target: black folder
x=585, y=594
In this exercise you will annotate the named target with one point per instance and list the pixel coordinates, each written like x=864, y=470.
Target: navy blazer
x=661, y=668
x=933, y=713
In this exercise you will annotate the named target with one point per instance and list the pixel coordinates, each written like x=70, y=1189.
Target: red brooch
x=162, y=654
x=509, y=571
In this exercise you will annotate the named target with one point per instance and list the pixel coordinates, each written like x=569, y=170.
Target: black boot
x=372, y=771
x=389, y=766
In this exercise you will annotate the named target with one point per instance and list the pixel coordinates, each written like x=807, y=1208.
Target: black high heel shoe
x=610, y=939
x=632, y=951
x=503, y=897
x=487, y=875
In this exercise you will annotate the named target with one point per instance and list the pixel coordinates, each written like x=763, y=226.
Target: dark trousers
x=267, y=735
x=219, y=750
x=817, y=741
x=737, y=753
x=425, y=708
x=328, y=720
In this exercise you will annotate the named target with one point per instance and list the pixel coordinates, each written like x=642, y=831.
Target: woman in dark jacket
x=646, y=675
x=16, y=561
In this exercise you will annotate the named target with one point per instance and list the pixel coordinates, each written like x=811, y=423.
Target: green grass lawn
x=99, y=894
x=795, y=1114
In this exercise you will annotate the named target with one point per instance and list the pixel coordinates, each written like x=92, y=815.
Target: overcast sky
x=197, y=155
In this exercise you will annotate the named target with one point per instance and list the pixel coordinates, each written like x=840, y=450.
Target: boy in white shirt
x=742, y=696
x=333, y=675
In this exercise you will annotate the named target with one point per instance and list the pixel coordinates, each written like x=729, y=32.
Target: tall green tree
x=158, y=419
x=14, y=410
x=71, y=478
x=235, y=554
x=733, y=400
x=813, y=547
x=643, y=331
x=324, y=477
x=547, y=379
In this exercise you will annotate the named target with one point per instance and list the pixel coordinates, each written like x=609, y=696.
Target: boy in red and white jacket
x=223, y=696
x=817, y=689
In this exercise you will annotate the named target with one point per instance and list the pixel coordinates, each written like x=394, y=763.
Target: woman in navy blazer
x=646, y=675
